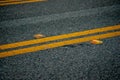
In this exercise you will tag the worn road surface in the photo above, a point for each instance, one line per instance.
(19, 21)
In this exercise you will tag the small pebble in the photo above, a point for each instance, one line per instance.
(38, 36)
(96, 42)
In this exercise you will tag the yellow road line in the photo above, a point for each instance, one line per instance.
(57, 44)
(20, 2)
(75, 34)
(6, 1)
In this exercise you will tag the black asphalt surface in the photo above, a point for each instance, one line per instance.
(82, 61)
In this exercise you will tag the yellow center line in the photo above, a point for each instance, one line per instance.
(20, 2)
(75, 34)
(6, 1)
(57, 44)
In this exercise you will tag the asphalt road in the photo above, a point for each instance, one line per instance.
(82, 61)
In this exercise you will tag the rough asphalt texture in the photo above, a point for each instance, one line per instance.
(75, 62)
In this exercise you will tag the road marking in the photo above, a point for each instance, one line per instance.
(11, 2)
(5, 1)
(64, 36)
(58, 44)
(8, 1)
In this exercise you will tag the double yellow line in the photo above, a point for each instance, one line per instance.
(60, 43)
(11, 2)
